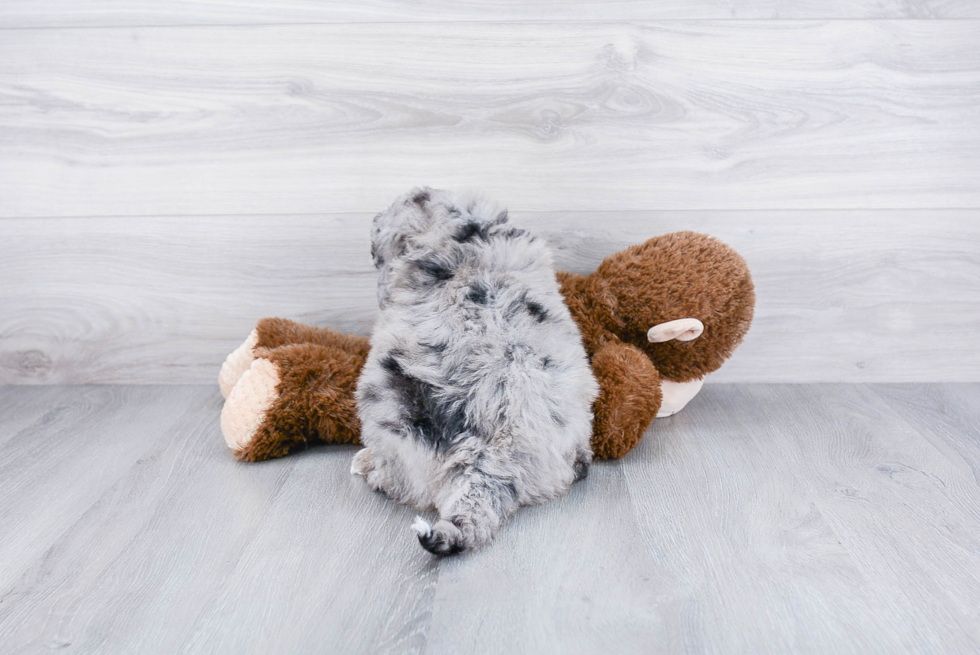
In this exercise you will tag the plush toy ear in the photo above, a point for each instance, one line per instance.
(683, 329)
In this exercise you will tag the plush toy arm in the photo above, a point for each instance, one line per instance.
(629, 398)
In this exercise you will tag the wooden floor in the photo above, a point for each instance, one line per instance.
(763, 518)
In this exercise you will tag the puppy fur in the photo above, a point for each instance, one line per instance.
(476, 396)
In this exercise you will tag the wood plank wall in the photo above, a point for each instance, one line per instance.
(171, 172)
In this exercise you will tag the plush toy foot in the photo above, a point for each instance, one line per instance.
(237, 363)
(247, 404)
(676, 395)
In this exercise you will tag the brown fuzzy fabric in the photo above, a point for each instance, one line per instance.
(629, 397)
(594, 308)
(674, 276)
(275, 332)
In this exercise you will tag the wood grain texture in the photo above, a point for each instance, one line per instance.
(842, 295)
(23, 407)
(73, 460)
(947, 416)
(100, 13)
(192, 551)
(548, 116)
(347, 552)
(568, 578)
(804, 519)
(125, 575)
(161, 300)
(762, 518)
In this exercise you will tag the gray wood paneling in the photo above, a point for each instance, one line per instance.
(76, 13)
(763, 518)
(842, 295)
(548, 116)
(163, 299)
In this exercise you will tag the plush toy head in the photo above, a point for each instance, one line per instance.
(677, 276)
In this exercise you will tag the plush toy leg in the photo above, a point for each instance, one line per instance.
(677, 395)
(272, 333)
(293, 396)
(629, 398)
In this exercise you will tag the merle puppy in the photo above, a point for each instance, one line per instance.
(476, 396)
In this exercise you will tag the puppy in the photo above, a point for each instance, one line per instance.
(476, 397)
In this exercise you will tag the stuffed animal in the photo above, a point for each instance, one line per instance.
(655, 319)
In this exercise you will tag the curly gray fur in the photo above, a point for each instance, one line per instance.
(476, 397)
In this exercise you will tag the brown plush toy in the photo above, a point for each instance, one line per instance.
(655, 319)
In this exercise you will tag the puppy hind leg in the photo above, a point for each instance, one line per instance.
(387, 476)
(581, 466)
(478, 504)
(363, 463)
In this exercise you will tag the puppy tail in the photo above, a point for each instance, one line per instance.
(443, 538)
(471, 521)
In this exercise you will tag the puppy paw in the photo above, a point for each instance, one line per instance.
(248, 402)
(443, 538)
(363, 463)
(422, 528)
(237, 363)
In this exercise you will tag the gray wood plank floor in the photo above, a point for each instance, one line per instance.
(763, 518)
